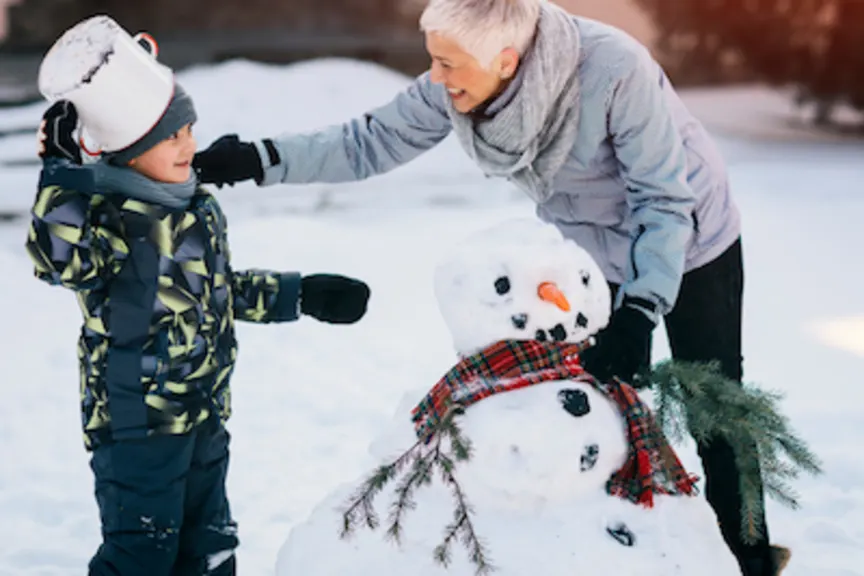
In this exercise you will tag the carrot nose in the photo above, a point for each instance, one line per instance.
(549, 292)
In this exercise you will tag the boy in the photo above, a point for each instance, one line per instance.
(146, 252)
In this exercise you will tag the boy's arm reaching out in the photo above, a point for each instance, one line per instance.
(264, 296)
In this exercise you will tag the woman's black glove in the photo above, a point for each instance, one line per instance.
(56, 138)
(229, 160)
(333, 298)
(623, 348)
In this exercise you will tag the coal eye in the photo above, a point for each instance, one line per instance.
(502, 285)
(586, 278)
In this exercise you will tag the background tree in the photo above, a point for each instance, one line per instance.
(204, 31)
(37, 23)
(816, 46)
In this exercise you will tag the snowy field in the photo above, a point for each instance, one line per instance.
(309, 398)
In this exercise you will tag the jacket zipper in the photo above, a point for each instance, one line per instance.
(633, 250)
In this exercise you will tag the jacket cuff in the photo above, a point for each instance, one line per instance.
(647, 307)
(287, 308)
(271, 162)
(65, 174)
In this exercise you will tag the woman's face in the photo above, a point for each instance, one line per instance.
(468, 83)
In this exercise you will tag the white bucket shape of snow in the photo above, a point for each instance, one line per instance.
(117, 86)
(536, 478)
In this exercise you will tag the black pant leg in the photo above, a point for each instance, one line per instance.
(209, 534)
(140, 490)
(705, 325)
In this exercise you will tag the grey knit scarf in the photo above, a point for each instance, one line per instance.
(110, 179)
(529, 139)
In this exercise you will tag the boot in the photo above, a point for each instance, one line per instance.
(771, 564)
(780, 556)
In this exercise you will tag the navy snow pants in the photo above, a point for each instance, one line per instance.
(163, 506)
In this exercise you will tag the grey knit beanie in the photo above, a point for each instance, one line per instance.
(180, 112)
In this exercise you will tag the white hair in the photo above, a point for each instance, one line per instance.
(484, 28)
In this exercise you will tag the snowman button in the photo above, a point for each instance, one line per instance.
(590, 453)
(575, 402)
(622, 534)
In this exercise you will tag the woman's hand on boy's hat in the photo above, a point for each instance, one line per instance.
(56, 131)
(228, 161)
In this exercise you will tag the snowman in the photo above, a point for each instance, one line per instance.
(566, 475)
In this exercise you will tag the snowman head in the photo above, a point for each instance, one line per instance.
(520, 280)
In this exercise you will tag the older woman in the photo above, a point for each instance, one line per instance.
(580, 117)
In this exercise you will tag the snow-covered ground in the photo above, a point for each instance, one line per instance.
(767, 113)
(310, 398)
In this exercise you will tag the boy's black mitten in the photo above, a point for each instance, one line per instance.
(333, 298)
(229, 160)
(56, 138)
(622, 348)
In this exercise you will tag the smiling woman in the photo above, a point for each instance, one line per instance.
(579, 116)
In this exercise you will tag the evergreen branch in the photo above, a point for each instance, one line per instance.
(405, 490)
(361, 501)
(425, 455)
(800, 454)
(442, 552)
(669, 416)
(459, 444)
(711, 406)
(369, 513)
(463, 523)
(752, 522)
(782, 493)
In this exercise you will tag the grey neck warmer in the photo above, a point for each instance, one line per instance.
(529, 138)
(110, 179)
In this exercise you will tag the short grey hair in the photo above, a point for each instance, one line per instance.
(484, 28)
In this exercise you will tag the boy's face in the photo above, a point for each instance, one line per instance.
(169, 161)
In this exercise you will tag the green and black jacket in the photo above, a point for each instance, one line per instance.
(159, 300)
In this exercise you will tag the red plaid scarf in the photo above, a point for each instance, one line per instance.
(652, 467)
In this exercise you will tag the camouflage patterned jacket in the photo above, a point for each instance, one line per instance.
(159, 300)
